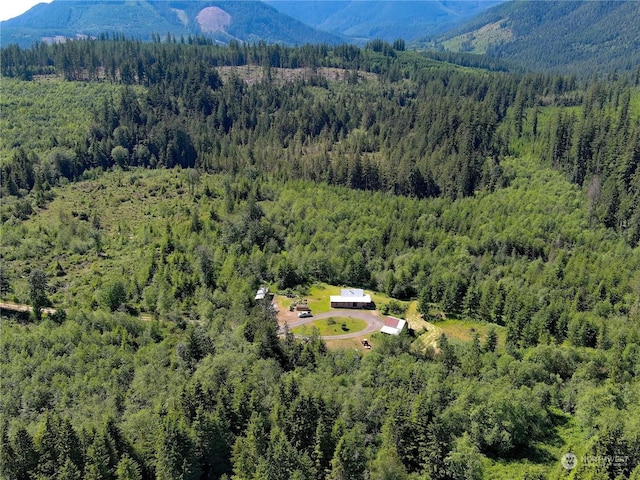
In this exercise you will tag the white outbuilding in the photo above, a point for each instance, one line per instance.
(393, 326)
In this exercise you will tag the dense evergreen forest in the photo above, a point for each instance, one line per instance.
(421, 129)
(569, 37)
(149, 189)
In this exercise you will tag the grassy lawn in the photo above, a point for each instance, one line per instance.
(319, 294)
(414, 318)
(319, 297)
(464, 330)
(347, 344)
(332, 326)
(457, 329)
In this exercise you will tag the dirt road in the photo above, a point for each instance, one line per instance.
(19, 307)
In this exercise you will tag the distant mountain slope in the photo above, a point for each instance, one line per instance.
(580, 37)
(387, 20)
(222, 20)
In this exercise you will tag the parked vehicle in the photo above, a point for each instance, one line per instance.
(304, 314)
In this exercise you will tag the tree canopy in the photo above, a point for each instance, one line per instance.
(174, 180)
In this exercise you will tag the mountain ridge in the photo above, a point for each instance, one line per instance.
(288, 21)
(246, 21)
(572, 37)
(577, 37)
(387, 20)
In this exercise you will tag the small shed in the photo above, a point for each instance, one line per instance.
(393, 326)
(262, 293)
(350, 298)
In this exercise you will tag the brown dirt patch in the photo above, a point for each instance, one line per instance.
(253, 74)
(213, 19)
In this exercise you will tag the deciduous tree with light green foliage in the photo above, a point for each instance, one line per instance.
(114, 295)
(38, 286)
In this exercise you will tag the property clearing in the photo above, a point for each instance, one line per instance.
(331, 326)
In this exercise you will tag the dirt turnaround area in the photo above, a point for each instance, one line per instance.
(372, 318)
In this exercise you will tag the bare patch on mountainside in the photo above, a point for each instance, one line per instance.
(213, 19)
(182, 16)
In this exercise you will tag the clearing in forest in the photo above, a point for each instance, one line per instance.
(331, 326)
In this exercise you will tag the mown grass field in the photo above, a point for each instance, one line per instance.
(320, 293)
(463, 330)
(332, 326)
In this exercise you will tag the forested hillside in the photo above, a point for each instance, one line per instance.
(387, 20)
(152, 188)
(221, 21)
(418, 127)
(583, 38)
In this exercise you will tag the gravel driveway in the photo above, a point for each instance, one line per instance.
(373, 319)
